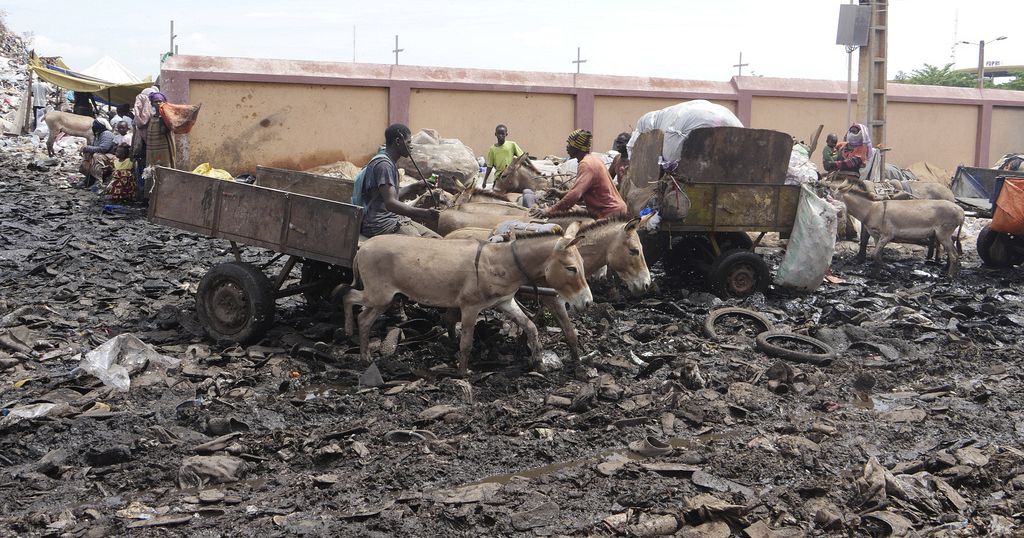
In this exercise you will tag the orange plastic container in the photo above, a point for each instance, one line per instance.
(1009, 214)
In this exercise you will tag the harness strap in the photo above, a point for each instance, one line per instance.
(529, 279)
(476, 261)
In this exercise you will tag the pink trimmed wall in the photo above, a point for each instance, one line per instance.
(467, 103)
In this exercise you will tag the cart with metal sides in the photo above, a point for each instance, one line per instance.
(235, 301)
(732, 180)
(1001, 242)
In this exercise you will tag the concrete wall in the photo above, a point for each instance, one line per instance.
(941, 134)
(538, 122)
(800, 117)
(298, 114)
(293, 126)
(1007, 132)
(616, 114)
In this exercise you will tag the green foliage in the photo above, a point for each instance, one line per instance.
(938, 76)
(947, 76)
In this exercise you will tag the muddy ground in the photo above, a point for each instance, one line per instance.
(915, 429)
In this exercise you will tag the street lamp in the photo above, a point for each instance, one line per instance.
(981, 59)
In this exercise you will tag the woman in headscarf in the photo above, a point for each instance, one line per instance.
(854, 151)
(159, 142)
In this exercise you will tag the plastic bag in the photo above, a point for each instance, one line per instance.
(1009, 214)
(811, 245)
(801, 169)
(117, 359)
(206, 170)
(677, 121)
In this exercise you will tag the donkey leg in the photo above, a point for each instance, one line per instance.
(367, 317)
(349, 300)
(880, 243)
(451, 316)
(469, 315)
(954, 259)
(512, 310)
(557, 306)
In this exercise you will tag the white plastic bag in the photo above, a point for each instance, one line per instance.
(801, 169)
(811, 244)
(117, 359)
(677, 121)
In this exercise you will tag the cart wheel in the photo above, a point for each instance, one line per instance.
(731, 240)
(328, 275)
(235, 302)
(738, 273)
(995, 249)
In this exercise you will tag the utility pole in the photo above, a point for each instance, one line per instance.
(353, 43)
(871, 78)
(578, 61)
(171, 48)
(740, 65)
(397, 50)
(981, 65)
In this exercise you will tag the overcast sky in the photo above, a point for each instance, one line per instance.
(676, 39)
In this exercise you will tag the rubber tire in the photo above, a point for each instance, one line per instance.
(725, 266)
(332, 275)
(994, 250)
(693, 251)
(763, 342)
(715, 315)
(255, 295)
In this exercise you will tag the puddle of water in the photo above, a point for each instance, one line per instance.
(322, 390)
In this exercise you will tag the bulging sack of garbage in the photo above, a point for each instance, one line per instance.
(207, 170)
(448, 158)
(811, 244)
(801, 169)
(179, 118)
(677, 121)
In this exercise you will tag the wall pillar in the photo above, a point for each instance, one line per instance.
(399, 95)
(584, 118)
(984, 138)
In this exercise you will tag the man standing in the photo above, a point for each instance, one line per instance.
(501, 154)
(38, 101)
(383, 210)
(593, 184)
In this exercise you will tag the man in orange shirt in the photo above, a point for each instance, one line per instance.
(593, 184)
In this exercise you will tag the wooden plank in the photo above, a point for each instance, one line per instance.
(644, 171)
(328, 188)
(183, 200)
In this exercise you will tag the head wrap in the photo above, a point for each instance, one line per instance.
(97, 126)
(580, 139)
(854, 140)
(157, 96)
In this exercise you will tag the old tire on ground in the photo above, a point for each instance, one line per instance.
(738, 273)
(765, 342)
(235, 302)
(712, 319)
(330, 276)
(995, 250)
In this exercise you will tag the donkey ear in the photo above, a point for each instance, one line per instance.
(643, 220)
(459, 185)
(631, 224)
(570, 232)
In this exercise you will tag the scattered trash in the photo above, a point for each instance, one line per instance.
(119, 358)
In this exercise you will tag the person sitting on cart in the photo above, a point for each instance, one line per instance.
(383, 210)
(593, 184)
(829, 154)
(854, 151)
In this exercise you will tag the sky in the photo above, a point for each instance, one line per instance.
(682, 39)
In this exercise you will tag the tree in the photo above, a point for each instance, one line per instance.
(1016, 84)
(939, 76)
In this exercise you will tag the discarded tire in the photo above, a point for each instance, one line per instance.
(769, 342)
(329, 277)
(715, 315)
(995, 250)
(738, 273)
(235, 301)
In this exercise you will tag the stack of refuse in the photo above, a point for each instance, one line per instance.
(13, 78)
(448, 158)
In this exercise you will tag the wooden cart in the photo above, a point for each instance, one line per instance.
(302, 216)
(733, 179)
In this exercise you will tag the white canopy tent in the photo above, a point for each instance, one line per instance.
(111, 70)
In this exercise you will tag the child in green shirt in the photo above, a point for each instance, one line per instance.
(501, 154)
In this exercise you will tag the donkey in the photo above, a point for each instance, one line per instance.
(607, 243)
(523, 174)
(469, 275)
